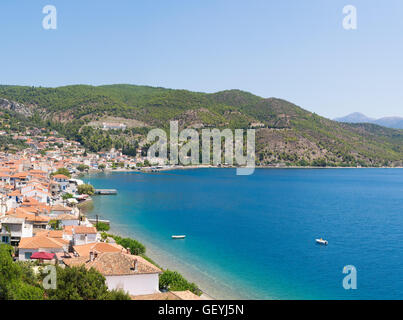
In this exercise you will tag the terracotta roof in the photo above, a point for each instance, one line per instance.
(42, 242)
(100, 247)
(115, 264)
(14, 193)
(29, 201)
(68, 230)
(66, 217)
(170, 295)
(186, 295)
(84, 230)
(21, 213)
(59, 207)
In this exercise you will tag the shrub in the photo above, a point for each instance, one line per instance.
(102, 226)
(134, 246)
(86, 189)
(174, 281)
(63, 171)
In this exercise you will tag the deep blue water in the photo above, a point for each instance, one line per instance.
(254, 235)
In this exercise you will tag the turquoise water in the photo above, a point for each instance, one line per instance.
(253, 236)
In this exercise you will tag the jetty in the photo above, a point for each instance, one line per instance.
(105, 191)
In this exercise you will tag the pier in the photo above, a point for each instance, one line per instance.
(105, 191)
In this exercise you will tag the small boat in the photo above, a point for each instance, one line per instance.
(321, 241)
(179, 237)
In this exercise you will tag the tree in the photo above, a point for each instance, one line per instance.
(174, 281)
(67, 196)
(134, 246)
(101, 167)
(63, 171)
(55, 224)
(78, 283)
(86, 189)
(102, 226)
(82, 167)
(17, 281)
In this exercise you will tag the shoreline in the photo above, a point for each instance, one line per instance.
(162, 258)
(226, 167)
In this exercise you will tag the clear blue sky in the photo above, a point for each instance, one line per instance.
(291, 49)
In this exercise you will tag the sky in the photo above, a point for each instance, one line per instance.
(290, 49)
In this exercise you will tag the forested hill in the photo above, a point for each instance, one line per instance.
(286, 133)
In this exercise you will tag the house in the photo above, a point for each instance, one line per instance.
(58, 210)
(84, 235)
(37, 220)
(38, 193)
(68, 220)
(130, 273)
(19, 179)
(41, 243)
(62, 181)
(13, 229)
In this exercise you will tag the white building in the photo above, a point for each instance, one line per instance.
(132, 274)
(28, 246)
(14, 229)
(84, 235)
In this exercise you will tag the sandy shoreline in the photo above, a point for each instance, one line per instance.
(204, 280)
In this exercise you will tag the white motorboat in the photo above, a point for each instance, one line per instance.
(321, 241)
(179, 237)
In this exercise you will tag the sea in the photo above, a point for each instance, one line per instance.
(253, 237)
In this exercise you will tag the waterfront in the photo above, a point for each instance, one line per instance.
(253, 236)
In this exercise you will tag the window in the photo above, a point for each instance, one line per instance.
(4, 239)
(28, 255)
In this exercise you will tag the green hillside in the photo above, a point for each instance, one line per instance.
(286, 133)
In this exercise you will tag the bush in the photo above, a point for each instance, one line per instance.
(174, 281)
(63, 171)
(17, 281)
(102, 226)
(134, 246)
(55, 224)
(82, 167)
(78, 283)
(67, 196)
(86, 189)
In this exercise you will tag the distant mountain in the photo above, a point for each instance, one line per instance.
(285, 133)
(355, 117)
(389, 122)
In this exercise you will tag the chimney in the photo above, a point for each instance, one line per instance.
(128, 250)
(91, 256)
(95, 254)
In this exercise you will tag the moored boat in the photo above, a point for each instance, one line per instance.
(322, 241)
(179, 237)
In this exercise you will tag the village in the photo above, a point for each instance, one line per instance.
(40, 215)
